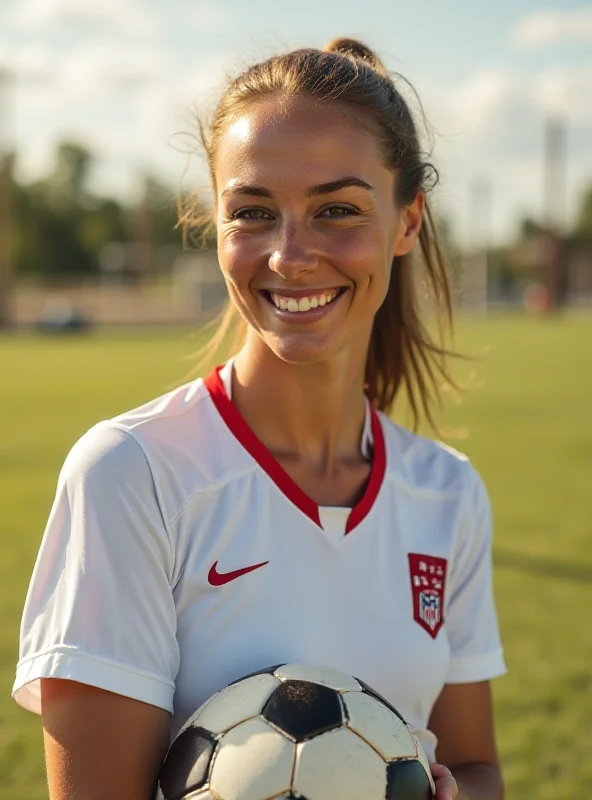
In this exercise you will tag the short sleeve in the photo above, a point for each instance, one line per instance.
(100, 607)
(471, 622)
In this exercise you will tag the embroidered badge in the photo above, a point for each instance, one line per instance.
(428, 582)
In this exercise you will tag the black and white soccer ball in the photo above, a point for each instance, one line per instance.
(296, 732)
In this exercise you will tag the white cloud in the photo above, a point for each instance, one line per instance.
(122, 16)
(476, 101)
(503, 111)
(491, 127)
(97, 72)
(473, 109)
(553, 26)
(30, 63)
(207, 15)
(88, 74)
(566, 92)
(205, 82)
(125, 16)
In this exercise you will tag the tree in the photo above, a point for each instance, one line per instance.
(529, 227)
(59, 226)
(162, 208)
(68, 182)
(584, 215)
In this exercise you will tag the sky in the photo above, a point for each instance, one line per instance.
(126, 78)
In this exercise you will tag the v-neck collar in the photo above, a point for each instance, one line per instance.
(255, 447)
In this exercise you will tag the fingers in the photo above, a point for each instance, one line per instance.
(446, 786)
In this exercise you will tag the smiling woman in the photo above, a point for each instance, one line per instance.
(318, 113)
(272, 512)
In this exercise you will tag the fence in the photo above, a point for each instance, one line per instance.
(193, 292)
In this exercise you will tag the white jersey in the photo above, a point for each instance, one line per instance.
(179, 556)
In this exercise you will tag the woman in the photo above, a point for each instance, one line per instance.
(272, 512)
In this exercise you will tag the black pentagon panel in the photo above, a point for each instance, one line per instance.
(373, 693)
(407, 780)
(187, 764)
(291, 796)
(301, 709)
(265, 671)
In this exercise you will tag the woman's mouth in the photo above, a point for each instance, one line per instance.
(303, 303)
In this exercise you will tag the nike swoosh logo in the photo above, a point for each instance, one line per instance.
(216, 578)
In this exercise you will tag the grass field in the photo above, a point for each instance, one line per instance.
(529, 425)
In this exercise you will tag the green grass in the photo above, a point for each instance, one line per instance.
(529, 424)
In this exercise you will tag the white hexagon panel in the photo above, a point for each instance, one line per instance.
(338, 765)
(379, 726)
(252, 761)
(238, 702)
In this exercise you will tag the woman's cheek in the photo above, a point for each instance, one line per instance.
(239, 255)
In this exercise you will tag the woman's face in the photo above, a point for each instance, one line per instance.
(307, 226)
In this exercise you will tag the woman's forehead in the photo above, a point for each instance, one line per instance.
(271, 137)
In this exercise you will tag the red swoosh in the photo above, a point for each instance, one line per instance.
(216, 578)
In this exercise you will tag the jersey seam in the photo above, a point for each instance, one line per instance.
(212, 488)
(457, 547)
(417, 440)
(201, 395)
(157, 488)
(71, 652)
(475, 656)
(434, 494)
(209, 488)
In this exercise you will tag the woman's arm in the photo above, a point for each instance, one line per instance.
(462, 719)
(99, 744)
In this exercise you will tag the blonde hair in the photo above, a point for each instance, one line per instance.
(403, 354)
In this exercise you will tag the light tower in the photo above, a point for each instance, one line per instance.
(6, 260)
(554, 171)
(479, 242)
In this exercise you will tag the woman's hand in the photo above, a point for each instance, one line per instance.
(446, 786)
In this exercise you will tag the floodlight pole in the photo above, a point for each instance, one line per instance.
(6, 259)
(554, 170)
(476, 278)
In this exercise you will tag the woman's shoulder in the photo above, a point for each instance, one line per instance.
(176, 444)
(425, 465)
(127, 437)
(177, 404)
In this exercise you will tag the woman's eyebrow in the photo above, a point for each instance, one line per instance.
(312, 191)
(341, 183)
(246, 188)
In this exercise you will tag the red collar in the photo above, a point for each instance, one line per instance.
(255, 447)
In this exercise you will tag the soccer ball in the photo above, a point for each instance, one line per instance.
(296, 732)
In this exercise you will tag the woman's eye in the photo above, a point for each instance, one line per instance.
(256, 214)
(337, 212)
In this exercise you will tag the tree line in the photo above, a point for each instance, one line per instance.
(58, 227)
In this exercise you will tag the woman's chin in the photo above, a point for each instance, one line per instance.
(301, 350)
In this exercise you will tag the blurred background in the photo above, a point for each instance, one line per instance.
(101, 305)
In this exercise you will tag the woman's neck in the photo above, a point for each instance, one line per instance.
(312, 413)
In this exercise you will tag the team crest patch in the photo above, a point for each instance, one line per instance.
(428, 581)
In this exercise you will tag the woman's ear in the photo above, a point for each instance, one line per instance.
(409, 226)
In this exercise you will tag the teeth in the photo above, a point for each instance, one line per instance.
(304, 303)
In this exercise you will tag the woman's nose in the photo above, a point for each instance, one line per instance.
(293, 255)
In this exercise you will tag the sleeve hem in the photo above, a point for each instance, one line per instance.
(482, 667)
(70, 664)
